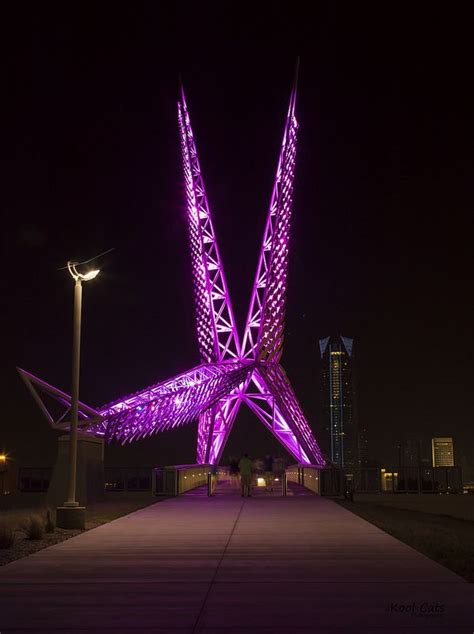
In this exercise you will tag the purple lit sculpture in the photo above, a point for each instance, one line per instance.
(230, 373)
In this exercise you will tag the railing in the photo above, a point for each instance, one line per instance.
(34, 480)
(421, 480)
(213, 479)
(331, 481)
(177, 479)
(120, 479)
(306, 475)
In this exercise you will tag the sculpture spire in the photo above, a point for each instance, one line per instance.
(263, 337)
(217, 334)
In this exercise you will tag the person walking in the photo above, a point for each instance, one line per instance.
(349, 490)
(213, 479)
(245, 468)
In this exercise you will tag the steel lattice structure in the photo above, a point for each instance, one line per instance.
(230, 372)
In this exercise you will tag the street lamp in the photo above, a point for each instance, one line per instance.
(71, 501)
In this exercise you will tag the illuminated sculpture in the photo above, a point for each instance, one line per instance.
(231, 372)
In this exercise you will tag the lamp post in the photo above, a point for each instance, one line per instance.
(63, 517)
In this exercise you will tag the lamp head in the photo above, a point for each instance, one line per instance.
(90, 275)
(83, 277)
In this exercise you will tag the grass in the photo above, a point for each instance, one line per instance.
(16, 519)
(49, 525)
(34, 528)
(446, 539)
(458, 505)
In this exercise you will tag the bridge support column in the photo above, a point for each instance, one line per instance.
(90, 471)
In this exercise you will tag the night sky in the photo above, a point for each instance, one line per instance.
(382, 233)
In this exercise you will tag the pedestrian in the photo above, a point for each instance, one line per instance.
(245, 468)
(268, 475)
(349, 493)
(214, 475)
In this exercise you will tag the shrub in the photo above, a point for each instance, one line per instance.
(49, 525)
(34, 528)
(7, 536)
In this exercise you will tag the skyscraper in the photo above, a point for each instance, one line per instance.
(443, 452)
(363, 445)
(409, 453)
(338, 401)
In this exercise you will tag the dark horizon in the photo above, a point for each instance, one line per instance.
(381, 244)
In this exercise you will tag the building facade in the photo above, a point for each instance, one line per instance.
(442, 450)
(363, 447)
(338, 401)
(409, 453)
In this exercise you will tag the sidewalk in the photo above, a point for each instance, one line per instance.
(228, 565)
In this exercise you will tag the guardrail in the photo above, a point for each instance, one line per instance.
(34, 479)
(119, 479)
(306, 475)
(331, 481)
(175, 480)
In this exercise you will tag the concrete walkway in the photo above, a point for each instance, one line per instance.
(228, 565)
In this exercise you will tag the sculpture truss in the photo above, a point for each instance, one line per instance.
(232, 371)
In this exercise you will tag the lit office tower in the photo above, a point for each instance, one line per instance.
(443, 452)
(338, 401)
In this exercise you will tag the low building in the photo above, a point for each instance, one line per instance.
(389, 480)
(442, 452)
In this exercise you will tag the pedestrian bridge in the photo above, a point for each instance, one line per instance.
(177, 480)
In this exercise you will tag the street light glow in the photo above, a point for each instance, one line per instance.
(3, 457)
(82, 277)
(90, 275)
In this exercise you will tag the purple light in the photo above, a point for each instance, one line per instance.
(229, 373)
(171, 403)
(266, 389)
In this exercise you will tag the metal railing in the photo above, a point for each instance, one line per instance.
(175, 480)
(121, 479)
(331, 481)
(305, 475)
(34, 479)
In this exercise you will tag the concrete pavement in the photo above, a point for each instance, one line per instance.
(229, 565)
